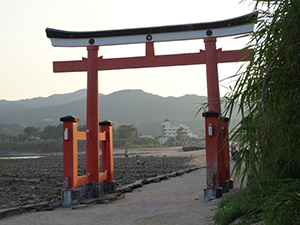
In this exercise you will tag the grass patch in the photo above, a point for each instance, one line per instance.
(242, 204)
(276, 203)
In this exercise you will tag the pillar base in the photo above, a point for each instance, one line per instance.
(225, 185)
(70, 197)
(212, 193)
(109, 187)
(230, 184)
(93, 190)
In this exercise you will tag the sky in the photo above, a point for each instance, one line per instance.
(26, 54)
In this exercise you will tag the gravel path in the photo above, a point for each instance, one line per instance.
(179, 200)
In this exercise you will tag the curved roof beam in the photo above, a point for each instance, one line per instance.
(239, 25)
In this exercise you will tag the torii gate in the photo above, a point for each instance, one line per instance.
(217, 167)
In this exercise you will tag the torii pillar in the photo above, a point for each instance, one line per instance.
(92, 123)
(95, 188)
(216, 165)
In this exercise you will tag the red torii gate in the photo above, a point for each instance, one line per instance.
(217, 167)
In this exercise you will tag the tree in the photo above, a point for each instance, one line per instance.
(52, 132)
(171, 141)
(81, 128)
(33, 132)
(125, 131)
(181, 134)
(5, 138)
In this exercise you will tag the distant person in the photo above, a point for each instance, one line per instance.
(144, 163)
(233, 153)
(126, 152)
(138, 162)
(155, 162)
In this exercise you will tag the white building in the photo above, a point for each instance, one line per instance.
(169, 130)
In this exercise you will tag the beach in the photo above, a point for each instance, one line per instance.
(177, 200)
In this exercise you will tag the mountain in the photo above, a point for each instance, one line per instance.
(56, 99)
(144, 110)
(136, 105)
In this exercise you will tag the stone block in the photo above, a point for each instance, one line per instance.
(224, 185)
(93, 190)
(70, 197)
(127, 188)
(109, 187)
(212, 193)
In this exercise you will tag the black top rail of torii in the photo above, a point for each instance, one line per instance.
(235, 26)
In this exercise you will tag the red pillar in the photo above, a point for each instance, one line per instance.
(70, 152)
(226, 149)
(214, 153)
(213, 94)
(107, 149)
(92, 115)
(212, 146)
(221, 154)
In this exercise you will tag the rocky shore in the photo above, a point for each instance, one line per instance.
(36, 180)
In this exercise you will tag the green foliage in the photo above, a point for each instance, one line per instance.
(283, 204)
(32, 132)
(276, 202)
(11, 129)
(52, 132)
(36, 144)
(81, 128)
(171, 142)
(269, 91)
(125, 131)
(270, 95)
(4, 138)
(181, 134)
(242, 204)
(51, 138)
(34, 138)
(135, 142)
(126, 136)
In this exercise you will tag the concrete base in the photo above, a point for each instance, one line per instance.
(70, 197)
(109, 187)
(230, 184)
(212, 193)
(93, 190)
(224, 185)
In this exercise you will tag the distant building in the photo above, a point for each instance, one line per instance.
(47, 120)
(169, 130)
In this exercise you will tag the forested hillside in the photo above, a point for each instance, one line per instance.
(143, 110)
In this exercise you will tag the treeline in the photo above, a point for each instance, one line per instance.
(126, 136)
(12, 129)
(51, 137)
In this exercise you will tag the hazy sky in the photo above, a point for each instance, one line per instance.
(26, 53)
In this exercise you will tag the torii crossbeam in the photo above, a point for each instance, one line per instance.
(210, 56)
